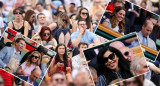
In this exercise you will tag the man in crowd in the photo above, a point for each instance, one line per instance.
(8, 52)
(35, 74)
(58, 79)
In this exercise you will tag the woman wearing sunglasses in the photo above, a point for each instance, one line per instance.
(111, 65)
(37, 38)
(47, 39)
(18, 24)
(61, 60)
(83, 14)
(32, 62)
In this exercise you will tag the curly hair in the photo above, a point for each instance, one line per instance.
(29, 59)
(123, 65)
(65, 56)
(113, 19)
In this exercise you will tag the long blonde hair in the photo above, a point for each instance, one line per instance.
(29, 59)
(60, 18)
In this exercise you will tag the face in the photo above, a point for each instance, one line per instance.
(120, 15)
(82, 24)
(61, 8)
(82, 47)
(18, 14)
(127, 53)
(82, 79)
(97, 2)
(58, 80)
(20, 45)
(147, 30)
(1, 82)
(37, 39)
(112, 62)
(131, 82)
(61, 50)
(143, 5)
(84, 14)
(39, 8)
(35, 57)
(34, 75)
(46, 34)
(154, 21)
(118, 4)
(143, 67)
(32, 18)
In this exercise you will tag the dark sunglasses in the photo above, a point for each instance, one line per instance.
(34, 56)
(132, 82)
(126, 53)
(84, 13)
(37, 39)
(45, 34)
(59, 79)
(111, 57)
(18, 13)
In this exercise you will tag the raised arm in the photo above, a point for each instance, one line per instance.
(52, 26)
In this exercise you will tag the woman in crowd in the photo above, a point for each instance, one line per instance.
(61, 60)
(37, 38)
(32, 62)
(60, 29)
(116, 21)
(30, 18)
(47, 39)
(83, 14)
(61, 8)
(18, 24)
(111, 65)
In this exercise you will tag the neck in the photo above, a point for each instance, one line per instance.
(30, 79)
(42, 24)
(117, 69)
(18, 20)
(81, 55)
(61, 57)
(16, 49)
(84, 32)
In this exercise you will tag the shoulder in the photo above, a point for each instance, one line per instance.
(23, 77)
(35, 83)
(101, 81)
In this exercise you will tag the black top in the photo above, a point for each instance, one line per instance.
(21, 30)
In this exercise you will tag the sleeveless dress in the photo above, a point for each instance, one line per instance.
(21, 30)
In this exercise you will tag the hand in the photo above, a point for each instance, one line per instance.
(59, 64)
(81, 30)
(84, 62)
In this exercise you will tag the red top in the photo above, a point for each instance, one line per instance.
(8, 78)
(110, 7)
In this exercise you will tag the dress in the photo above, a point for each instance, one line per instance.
(21, 30)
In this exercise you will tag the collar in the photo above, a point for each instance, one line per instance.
(16, 51)
(143, 36)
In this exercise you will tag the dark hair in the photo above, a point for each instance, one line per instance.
(1, 4)
(118, 2)
(63, 8)
(19, 39)
(153, 16)
(73, 4)
(39, 3)
(42, 49)
(28, 14)
(56, 13)
(65, 56)
(113, 19)
(72, 15)
(81, 20)
(41, 33)
(55, 74)
(19, 9)
(88, 22)
(82, 43)
(40, 14)
(123, 65)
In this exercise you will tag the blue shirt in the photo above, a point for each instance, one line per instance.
(144, 39)
(88, 37)
(110, 26)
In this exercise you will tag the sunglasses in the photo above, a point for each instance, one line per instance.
(59, 79)
(84, 13)
(126, 53)
(111, 57)
(46, 34)
(18, 13)
(131, 82)
(37, 39)
(34, 56)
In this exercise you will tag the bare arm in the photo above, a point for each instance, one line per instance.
(10, 25)
(26, 28)
(105, 23)
(155, 69)
(52, 26)
(20, 72)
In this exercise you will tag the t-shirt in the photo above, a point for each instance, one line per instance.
(88, 37)
(110, 25)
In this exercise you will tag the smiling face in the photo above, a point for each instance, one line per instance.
(20, 45)
(61, 50)
(84, 14)
(111, 63)
(120, 15)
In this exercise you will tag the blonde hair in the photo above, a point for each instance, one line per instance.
(60, 22)
(36, 36)
(29, 59)
(11, 64)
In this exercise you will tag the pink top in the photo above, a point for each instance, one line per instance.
(28, 69)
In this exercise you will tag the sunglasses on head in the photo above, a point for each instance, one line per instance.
(37, 39)
(84, 13)
(111, 57)
(131, 82)
(34, 56)
(59, 79)
(18, 13)
(126, 53)
(46, 34)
